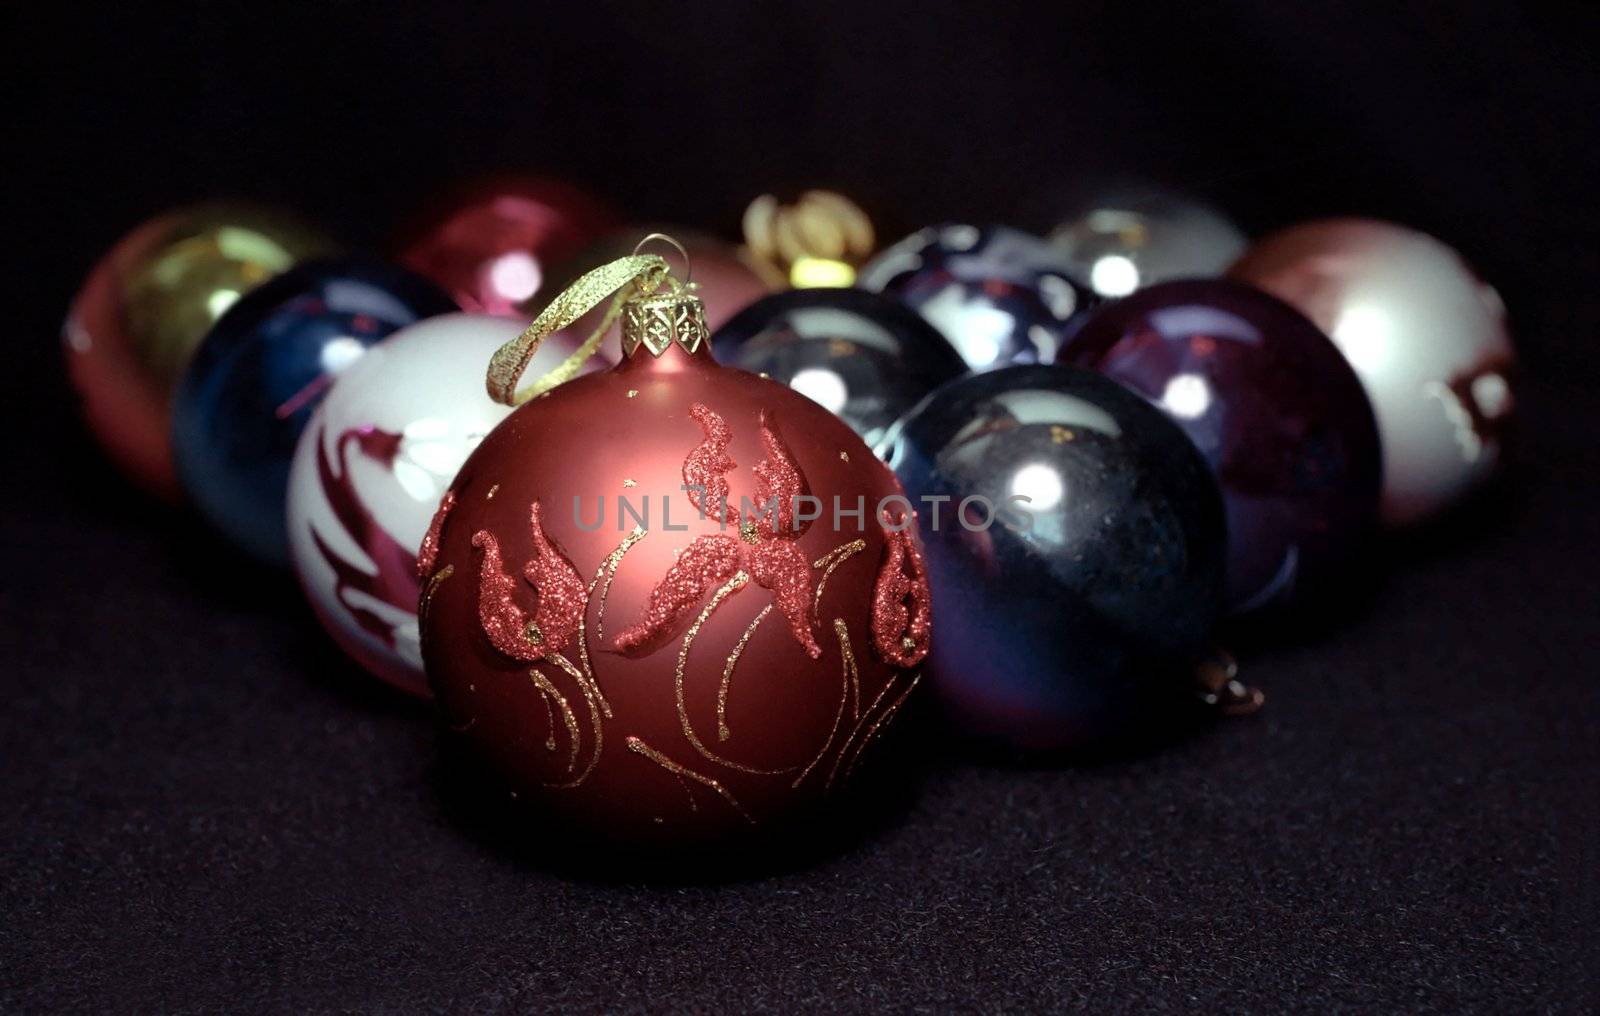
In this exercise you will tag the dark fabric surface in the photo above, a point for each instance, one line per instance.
(204, 808)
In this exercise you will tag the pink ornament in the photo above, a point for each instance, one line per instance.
(492, 243)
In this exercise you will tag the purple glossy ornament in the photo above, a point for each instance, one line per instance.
(1274, 408)
(1001, 296)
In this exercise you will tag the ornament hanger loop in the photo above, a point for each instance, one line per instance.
(638, 274)
(688, 266)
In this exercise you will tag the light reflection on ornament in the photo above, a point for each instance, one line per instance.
(1365, 335)
(976, 330)
(1187, 395)
(1114, 275)
(998, 294)
(339, 352)
(1420, 328)
(1041, 484)
(1125, 242)
(822, 386)
(515, 276)
(808, 273)
(144, 309)
(220, 301)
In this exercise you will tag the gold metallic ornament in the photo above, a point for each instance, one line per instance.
(146, 306)
(820, 240)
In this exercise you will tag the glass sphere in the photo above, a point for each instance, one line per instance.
(1427, 337)
(865, 357)
(1001, 296)
(253, 384)
(1275, 410)
(1074, 542)
(1122, 244)
(145, 307)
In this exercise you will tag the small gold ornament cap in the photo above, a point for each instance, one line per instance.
(658, 320)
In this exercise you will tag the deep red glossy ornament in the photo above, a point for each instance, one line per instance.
(491, 243)
(641, 609)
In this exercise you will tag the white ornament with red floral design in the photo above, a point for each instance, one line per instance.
(370, 469)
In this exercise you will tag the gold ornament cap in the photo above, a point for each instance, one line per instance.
(652, 317)
(657, 320)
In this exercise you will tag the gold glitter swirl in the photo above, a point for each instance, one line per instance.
(608, 571)
(723, 733)
(849, 681)
(879, 723)
(548, 691)
(828, 562)
(426, 603)
(833, 559)
(591, 695)
(739, 580)
(845, 750)
(639, 747)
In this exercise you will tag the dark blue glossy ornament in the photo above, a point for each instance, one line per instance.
(259, 373)
(864, 357)
(1276, 410)
(1001, 296)
(1075, 617)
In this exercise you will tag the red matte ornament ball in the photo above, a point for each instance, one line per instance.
(617, 632)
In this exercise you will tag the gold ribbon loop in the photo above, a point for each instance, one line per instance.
(637, 273)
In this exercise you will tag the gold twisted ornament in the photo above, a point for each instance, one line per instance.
(820, 240)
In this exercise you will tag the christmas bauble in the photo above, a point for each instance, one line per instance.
(725, 283)
(631, 617)
(492, 243)
(1275, 410)
(370, 469)
(1074, 544)
(821, 240)
(250, 389)
(998, 294)
(1426, 336)
(864, 357)
(1122, 243)
(146, 306)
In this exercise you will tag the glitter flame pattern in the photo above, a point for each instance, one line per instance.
(902, 615)
(561, 597)
(429, 553)
(767, 548)
(712, 569)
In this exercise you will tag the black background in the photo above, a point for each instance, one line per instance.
(202, 808)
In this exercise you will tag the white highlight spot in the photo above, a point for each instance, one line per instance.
(340, 352)
(1187, 396)
(515, 276)
(821, 386)
(220, 301)
(1058, 295)
(1114, 275)
(1041, 484)
(1366, 334)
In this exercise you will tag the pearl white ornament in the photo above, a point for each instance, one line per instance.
(1427, 337)
(369, 471)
